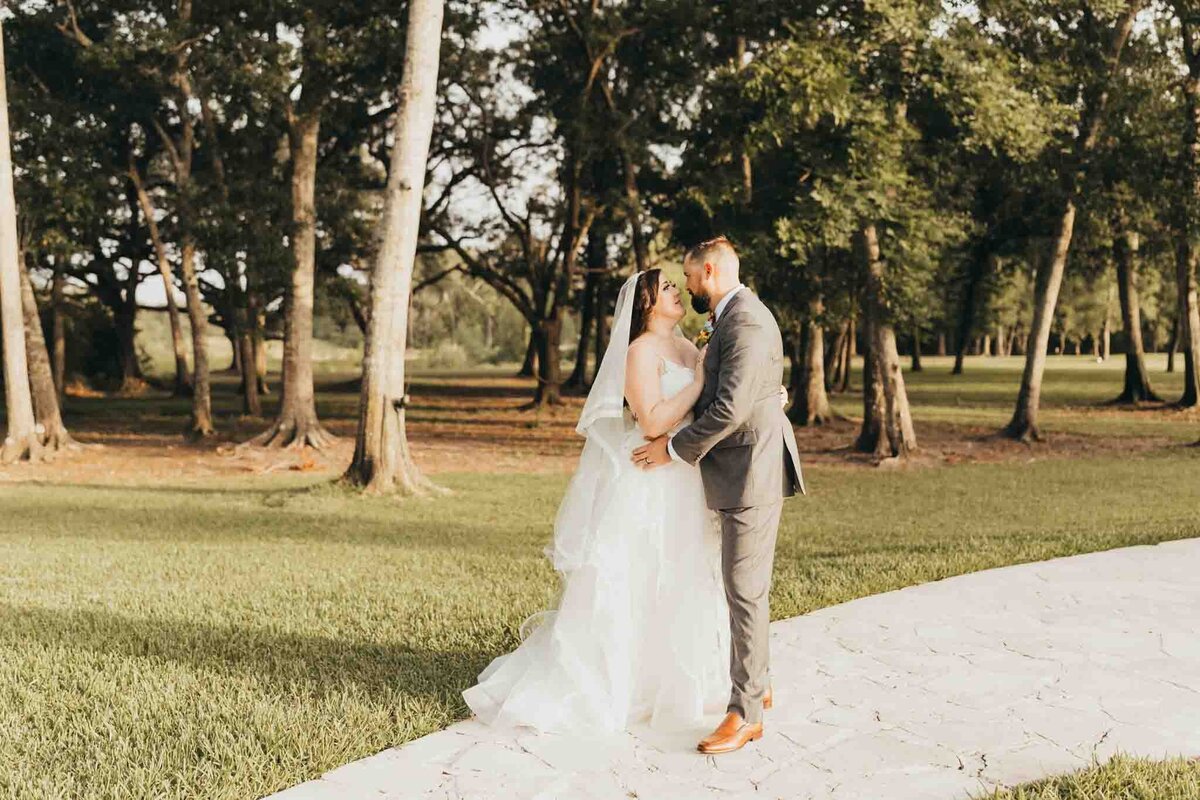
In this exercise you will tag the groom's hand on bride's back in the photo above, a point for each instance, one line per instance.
(652, 454)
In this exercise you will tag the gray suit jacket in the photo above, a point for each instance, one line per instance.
(740, 436)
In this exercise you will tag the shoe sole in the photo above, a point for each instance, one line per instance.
(708, 751)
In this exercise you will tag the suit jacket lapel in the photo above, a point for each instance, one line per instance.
(729, 307)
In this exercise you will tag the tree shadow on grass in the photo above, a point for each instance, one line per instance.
(280, 492)
(287, 664)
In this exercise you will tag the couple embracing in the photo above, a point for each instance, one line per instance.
(666, 536)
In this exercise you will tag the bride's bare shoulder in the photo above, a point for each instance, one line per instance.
(645, 355)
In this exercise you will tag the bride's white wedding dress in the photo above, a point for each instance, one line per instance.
(641, 632)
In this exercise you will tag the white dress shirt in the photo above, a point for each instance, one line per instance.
(716, 316)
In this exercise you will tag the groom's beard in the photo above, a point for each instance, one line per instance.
(701, 303)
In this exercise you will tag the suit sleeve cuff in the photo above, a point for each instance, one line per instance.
(674, 455)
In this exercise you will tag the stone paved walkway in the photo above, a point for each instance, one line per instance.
(936, 691)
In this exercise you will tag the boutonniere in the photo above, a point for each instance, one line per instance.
(706, 332)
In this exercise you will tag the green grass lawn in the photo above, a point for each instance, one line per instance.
(1119, 779)
(226, 640)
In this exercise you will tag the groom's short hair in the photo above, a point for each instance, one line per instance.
(717, 250)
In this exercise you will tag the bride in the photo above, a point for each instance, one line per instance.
(641, 632)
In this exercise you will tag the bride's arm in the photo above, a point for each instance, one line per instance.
(643, 390)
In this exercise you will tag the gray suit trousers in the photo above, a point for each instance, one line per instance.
(747, 556)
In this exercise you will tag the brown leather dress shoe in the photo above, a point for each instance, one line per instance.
(732, 734)
(767, 701)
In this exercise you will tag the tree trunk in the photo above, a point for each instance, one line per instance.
(297, 425)
(633, 200)
(916, 350)
(887, 422)
(21, 439)
(743, 157)
(810, 403)
(848, 358)
(247, 365)
(1173, 343)
(233, 334)
(976, 271)
(47, 414)
(549, 376)
(1189, 327)
(382, 460)
(1024, 423)
(1187, 255)
(201, 424)
(602, 323)
(874, 404)
(597, 260)
(258, 317)
(833, 359)
(183, 381)
(529, 366)
(941, 343)
(1137, 378)
(58, 332)
(1106, 338)
(795, 343)
(125, 327)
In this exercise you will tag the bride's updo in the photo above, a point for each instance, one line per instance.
(645, 297)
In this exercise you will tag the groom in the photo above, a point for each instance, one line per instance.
(748, 459)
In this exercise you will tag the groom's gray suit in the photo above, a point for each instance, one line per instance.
(749, 462)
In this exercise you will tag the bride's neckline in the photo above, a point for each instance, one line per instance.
(675, 364)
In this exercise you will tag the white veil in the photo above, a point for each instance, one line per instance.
(605, 421)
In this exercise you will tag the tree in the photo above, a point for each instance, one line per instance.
(1100, 61)
(157, 68)
(1137, 380)
(52, 432)
(1187, 209)
(333, 64)
(183, 378)
(382, 461)
(21, 440)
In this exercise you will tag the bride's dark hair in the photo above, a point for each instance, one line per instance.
(645, 296)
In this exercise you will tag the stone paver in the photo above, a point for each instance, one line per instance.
(942, 690)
